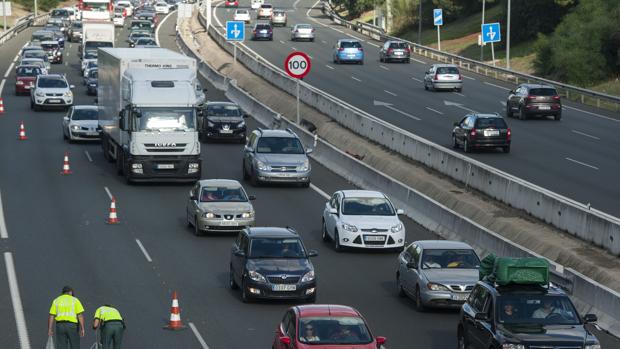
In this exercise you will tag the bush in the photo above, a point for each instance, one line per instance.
(44, 5)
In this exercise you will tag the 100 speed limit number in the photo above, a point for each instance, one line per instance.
(297, 65)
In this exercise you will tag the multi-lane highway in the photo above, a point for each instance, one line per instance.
(56, 235)
(577, 157)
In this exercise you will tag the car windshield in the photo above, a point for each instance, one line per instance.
(242, 12)
(447, 70)
(90, 55)
(136, 36)
(35, 54)
(42, 36)
(60, 13)
(223, 110)
(52, 83)
(34, 61)
(166, 120)
(276, 248)
(262, 26)
(222, 194)
(326, 330)
(146, 41)
(92, 45)
(350, 44)
(76, 25)
(543, 92)
(50, 46)
(536, 310)
(304, 26)
(140, 25)
(367, 207)
(279, 145)
(450, 259)
(28, 71)
(498, 123)
(91, 64)
(93, 74)
(85, 114)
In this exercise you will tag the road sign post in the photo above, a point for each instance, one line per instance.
(297, 65)
(491, 33)
(438, 21)
(235, 31)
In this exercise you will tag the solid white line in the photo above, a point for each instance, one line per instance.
(146, 254)
(383, 67)
(88, 155)
(16, 299)
(8, 71)
(585, 134)
(372, 44)
(417, 60)
(4, 233)
(593, 114)
(295, 4)
(498, 86)
(161, 25)
(355, 37)
(356, 79)
(16, 58)
(2, 85)
(467, 77)
(330, 67)
(582, 163)
(197, 334)
(434, 110)
(338, 30)
(390, 93)
(108, 192)
(320, 191)
(416, 79)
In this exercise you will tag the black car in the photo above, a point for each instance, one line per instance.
(262, 31)
(481, 131)
(534, 99)
(222, 120)
(270, 262)
(526, 316)
(92, 81)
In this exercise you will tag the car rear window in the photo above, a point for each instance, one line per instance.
(28, 71)
(447, 70)
(350, 44)
(491, 122)
(400, 45)
(543, 92)
(263, 26)
(223, 110)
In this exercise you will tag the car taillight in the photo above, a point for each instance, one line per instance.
(460, 77)
(472, 132)
(313, 30)
(254, 31)
(556, 97)
(341, 49)
(436, 77)
(408, 50)
(508, 134)
(390, 50)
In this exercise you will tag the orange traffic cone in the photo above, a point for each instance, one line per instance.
(175, 315)
(65, 165)
(1, 106)
(113, 218)
(22, 132)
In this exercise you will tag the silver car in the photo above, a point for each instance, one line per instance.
(278, 18)
(219, 205)
(437, 273)
(81, 124)
(443, 77)
(302, 32)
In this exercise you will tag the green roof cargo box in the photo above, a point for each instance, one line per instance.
(523, 271)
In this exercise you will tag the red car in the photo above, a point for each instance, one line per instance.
(25, 75)
(329, 326)
(231, 3)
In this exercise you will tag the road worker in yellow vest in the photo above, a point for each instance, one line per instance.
(66, 311)
(112, 326)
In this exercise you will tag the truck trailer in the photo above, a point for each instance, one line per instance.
(147, 112)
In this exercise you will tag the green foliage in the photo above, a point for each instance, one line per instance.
(528, 18)
(44, 5)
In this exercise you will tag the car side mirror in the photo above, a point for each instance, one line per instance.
(72, 86)
(312, 253)
(239, 253)
(66, 118)
(511, 92)
(588, 318)
(412, 265)
(309, 151)
(380, 340)
(121, 122)
(248, 149)
(251, 197)
(333, 211)
(400, 211)
(481, 316)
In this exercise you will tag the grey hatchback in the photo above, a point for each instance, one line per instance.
(443, 77)
(393, 50)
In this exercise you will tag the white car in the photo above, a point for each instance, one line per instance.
(81, 123)
(264, 11)
(242, 15)
(162, 7)
(118, 20)
(362, 219)
(35, 61)
(51, 91)
(127, 6)
(257, 3)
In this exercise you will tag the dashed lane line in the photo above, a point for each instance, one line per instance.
(356, 79)
(4, 234)
(416, 79)
(108, 192)
(2, 85)
(383, 67)
(320, 191)
(372, 44)
(585, 134)
(417, 60)
(591, 113)
(582, 163)
(434, 110)
(390, 93)
(88, 156)
(144, 252)
(498, 86)
(329, 66)
(202, 342)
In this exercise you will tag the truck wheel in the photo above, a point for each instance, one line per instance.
(105, 147)
(119, 163)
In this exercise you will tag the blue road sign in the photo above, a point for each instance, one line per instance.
(437, 16)
(235, 30)
(491, 33)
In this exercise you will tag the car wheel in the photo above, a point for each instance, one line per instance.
(245, 297)
(324, 234)
(337, 245)
(305, 184)
(408, 60)
(506, 149)
(522, 114)
(557, 117)
(188, 219)
(462, 342)
(509, 113)
(361, 62)
(425, 86)
(380, 59)
(245, 173)
(419, 306)
(64, 135)
(119, 163)
(455, 144)
(254, 179)
(197, 230)
(311, 40)
(466, 146)
(231, 280)
(401, 290)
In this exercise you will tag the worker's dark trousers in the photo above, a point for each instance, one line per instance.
(112, 335)
(67, 336)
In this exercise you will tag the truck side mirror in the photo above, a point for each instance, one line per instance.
(121, 122)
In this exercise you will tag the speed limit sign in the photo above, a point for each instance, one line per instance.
(297, 65)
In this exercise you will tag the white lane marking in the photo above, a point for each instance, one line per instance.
(16, 299)
(417, 60)
(467, 77)
(2, 85)
(67, 64)
(356, 79)
(434, 110)
(383, 67)
(460, 94)
(391, 107)
(4, 234)
(355, 37)
(330, 67)
(294, 49)
(202, 342)
(8, 71)
(502, 103)
(16, 58)
(70, 45)
(108, 192)
(282, 42)
(582, 163)
(593, 114)
(498, 86)
(295, 4)
(146, 254)
(320, 191)
(585, 134)
(372, 44)
(323, 41)
(88, 156)
(390, 93)
(416, 79)
(161, 25)
(338, 30)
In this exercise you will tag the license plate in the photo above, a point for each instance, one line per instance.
(398, 53)
(286, 174)
(351, 56)
(54, 101)
(460, 296)
(165, 166)
(491, 133)
(280, 287)
(544, 107)
(229, 223)
(263, 32)
(374, 238)
(92, 133)
(226, 131)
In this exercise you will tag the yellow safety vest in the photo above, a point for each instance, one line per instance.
(66, 308)
(105, 313)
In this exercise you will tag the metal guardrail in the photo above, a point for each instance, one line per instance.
(574, 93)
(21, 24)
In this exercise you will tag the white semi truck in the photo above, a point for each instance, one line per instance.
(147, 112)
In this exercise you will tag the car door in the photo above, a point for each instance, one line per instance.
(248, 153)
(282, 330)
(459, 132)
(331, 220)
(193, 207)
(238, 262)
(485, 327)
(428, 77)
(66, 120)
(403, 270)
(413, 274)
(383, 50)
(479, 327)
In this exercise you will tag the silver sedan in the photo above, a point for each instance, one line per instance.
(219, 205)
(302, 32)
(81, 124)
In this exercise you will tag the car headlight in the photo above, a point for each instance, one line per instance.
(261, 166)
(241, 124)
(75, 127)
(436, 287)
(513, 346)
(39, 93)
(58, 53)
(256, 276)
(93, 84)
(593, 346)
(209, 215)
(309, 276)
(349, 227)
(68, 94)
(305, 166)
(247, 214)
(398, 227)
